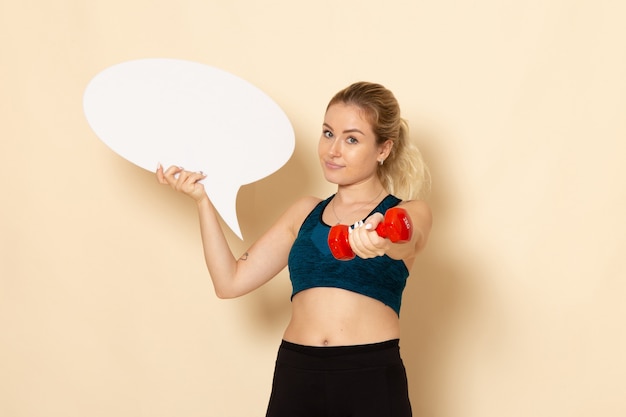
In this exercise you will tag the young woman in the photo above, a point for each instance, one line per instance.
(340, 352)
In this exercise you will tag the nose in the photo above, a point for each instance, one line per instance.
(335, 148)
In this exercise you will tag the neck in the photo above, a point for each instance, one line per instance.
(350, 203)
(359, 193)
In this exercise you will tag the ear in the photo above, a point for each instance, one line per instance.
(384, 150)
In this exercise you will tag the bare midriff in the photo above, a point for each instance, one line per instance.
(336, 317)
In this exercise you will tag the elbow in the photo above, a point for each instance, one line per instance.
(222, 295)
(226, 294)
(230, 287)
(224, 288)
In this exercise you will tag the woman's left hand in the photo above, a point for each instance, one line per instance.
(364, 239)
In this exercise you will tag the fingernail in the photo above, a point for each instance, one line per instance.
(368, 226)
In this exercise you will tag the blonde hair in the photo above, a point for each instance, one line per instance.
(404, 173)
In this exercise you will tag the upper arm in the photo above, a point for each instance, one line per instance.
(268, 255)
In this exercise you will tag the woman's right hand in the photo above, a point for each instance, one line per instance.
(183, 181)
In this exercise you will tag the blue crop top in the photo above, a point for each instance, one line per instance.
(312, 265)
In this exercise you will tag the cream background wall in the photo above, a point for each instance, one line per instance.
(516, 307)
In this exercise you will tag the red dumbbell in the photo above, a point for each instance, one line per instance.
(396, 226)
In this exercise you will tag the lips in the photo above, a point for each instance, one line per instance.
(332, 165)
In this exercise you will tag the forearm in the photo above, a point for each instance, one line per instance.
(220, 261)
(399, 250)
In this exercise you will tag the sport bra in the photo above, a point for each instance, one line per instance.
(311, 263)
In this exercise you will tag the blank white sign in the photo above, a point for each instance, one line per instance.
(192, 115)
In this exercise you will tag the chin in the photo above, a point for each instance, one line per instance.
(332, 177)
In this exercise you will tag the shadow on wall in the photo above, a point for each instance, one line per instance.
(439, 292)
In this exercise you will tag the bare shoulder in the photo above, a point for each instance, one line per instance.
(308, 202)
(303, 206)
(419, 207)
(298, 211)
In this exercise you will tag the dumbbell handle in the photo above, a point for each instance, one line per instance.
(396, 226)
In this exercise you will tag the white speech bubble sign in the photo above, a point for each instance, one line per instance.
(170, 111)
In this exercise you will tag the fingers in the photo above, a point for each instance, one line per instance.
(167, 177)
(171, 174)
(372, 221)
(161, 175)
(177, 177)
(184, 181)
(364, 239)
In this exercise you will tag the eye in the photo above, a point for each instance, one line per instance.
(352, 140)
(327, 133)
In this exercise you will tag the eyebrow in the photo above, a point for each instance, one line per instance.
(345, 131)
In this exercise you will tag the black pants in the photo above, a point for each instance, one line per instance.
(356, 381)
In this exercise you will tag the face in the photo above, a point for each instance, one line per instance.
(347, 149)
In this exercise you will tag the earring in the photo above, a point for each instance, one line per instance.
(381, 162)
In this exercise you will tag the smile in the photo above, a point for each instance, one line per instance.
(331, 165)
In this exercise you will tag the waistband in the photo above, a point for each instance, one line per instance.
(379, 354)
(326, 351)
